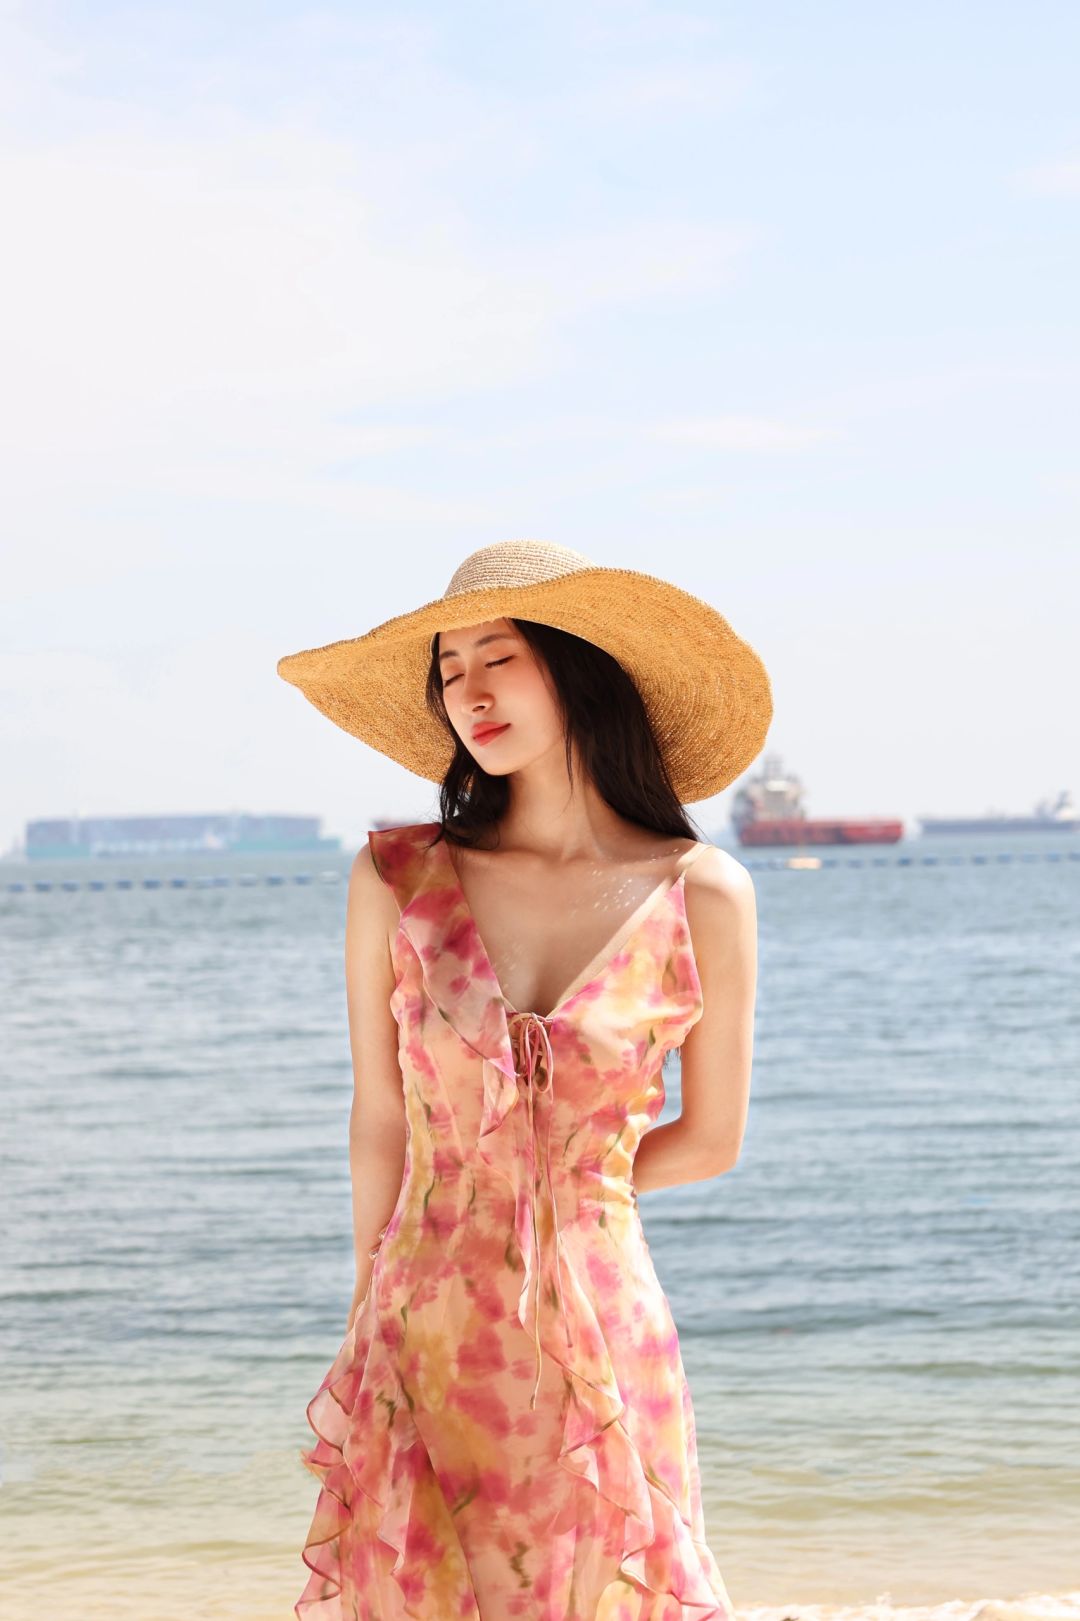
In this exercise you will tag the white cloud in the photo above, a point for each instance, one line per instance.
(1060, 179)
(708, 87)
(739, 433)
(214, 314)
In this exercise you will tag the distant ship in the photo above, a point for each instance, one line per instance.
(768, 810)
(1049, 816)
(230, 833)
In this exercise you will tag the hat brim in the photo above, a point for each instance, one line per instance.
(706, 690)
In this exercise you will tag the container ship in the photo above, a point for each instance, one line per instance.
(768, 810)
(77, 838)
(1057, 815)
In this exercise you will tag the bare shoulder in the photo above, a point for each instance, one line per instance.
(370, 901)
(365, 880)
(719, 874)
(721, 907)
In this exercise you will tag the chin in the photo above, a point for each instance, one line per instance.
(496, 768)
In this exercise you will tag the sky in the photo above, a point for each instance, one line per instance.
(299, 305)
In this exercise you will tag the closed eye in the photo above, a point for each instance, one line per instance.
(494, 663)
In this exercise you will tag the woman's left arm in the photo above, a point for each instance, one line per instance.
(717, 1053)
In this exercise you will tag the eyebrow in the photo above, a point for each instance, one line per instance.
(481, 641)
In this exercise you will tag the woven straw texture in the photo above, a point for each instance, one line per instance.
(706, 690)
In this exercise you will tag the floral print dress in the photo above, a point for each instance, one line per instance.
(507, 1432)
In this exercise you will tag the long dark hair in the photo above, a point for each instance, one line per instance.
(603, 714)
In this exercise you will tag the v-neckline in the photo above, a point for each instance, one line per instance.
(599, 964)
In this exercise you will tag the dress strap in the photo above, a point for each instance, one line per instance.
(692, 855)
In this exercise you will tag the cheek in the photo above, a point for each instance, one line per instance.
(533, 699)
(537, 705)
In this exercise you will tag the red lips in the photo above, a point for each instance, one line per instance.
(483, 733)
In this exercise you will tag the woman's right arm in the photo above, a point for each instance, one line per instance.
(377, 1120)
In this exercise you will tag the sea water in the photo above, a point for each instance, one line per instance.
(879, 1306)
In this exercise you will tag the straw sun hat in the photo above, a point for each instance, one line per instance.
(705, 690)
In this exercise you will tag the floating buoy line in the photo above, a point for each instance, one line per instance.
(798, 862)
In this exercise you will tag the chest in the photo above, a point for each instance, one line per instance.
(545, 940)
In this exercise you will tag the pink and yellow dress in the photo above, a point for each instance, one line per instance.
(507, 1432)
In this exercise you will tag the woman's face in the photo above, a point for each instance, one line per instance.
(491, 678)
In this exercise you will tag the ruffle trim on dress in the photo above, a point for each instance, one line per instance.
(660, 1550)
(367, 1446)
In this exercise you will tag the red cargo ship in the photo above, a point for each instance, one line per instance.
(768, 810)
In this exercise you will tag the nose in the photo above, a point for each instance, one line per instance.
(474, 693)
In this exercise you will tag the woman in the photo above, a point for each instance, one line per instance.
(507, 1430)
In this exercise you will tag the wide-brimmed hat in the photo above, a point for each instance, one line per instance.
(705, 690)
